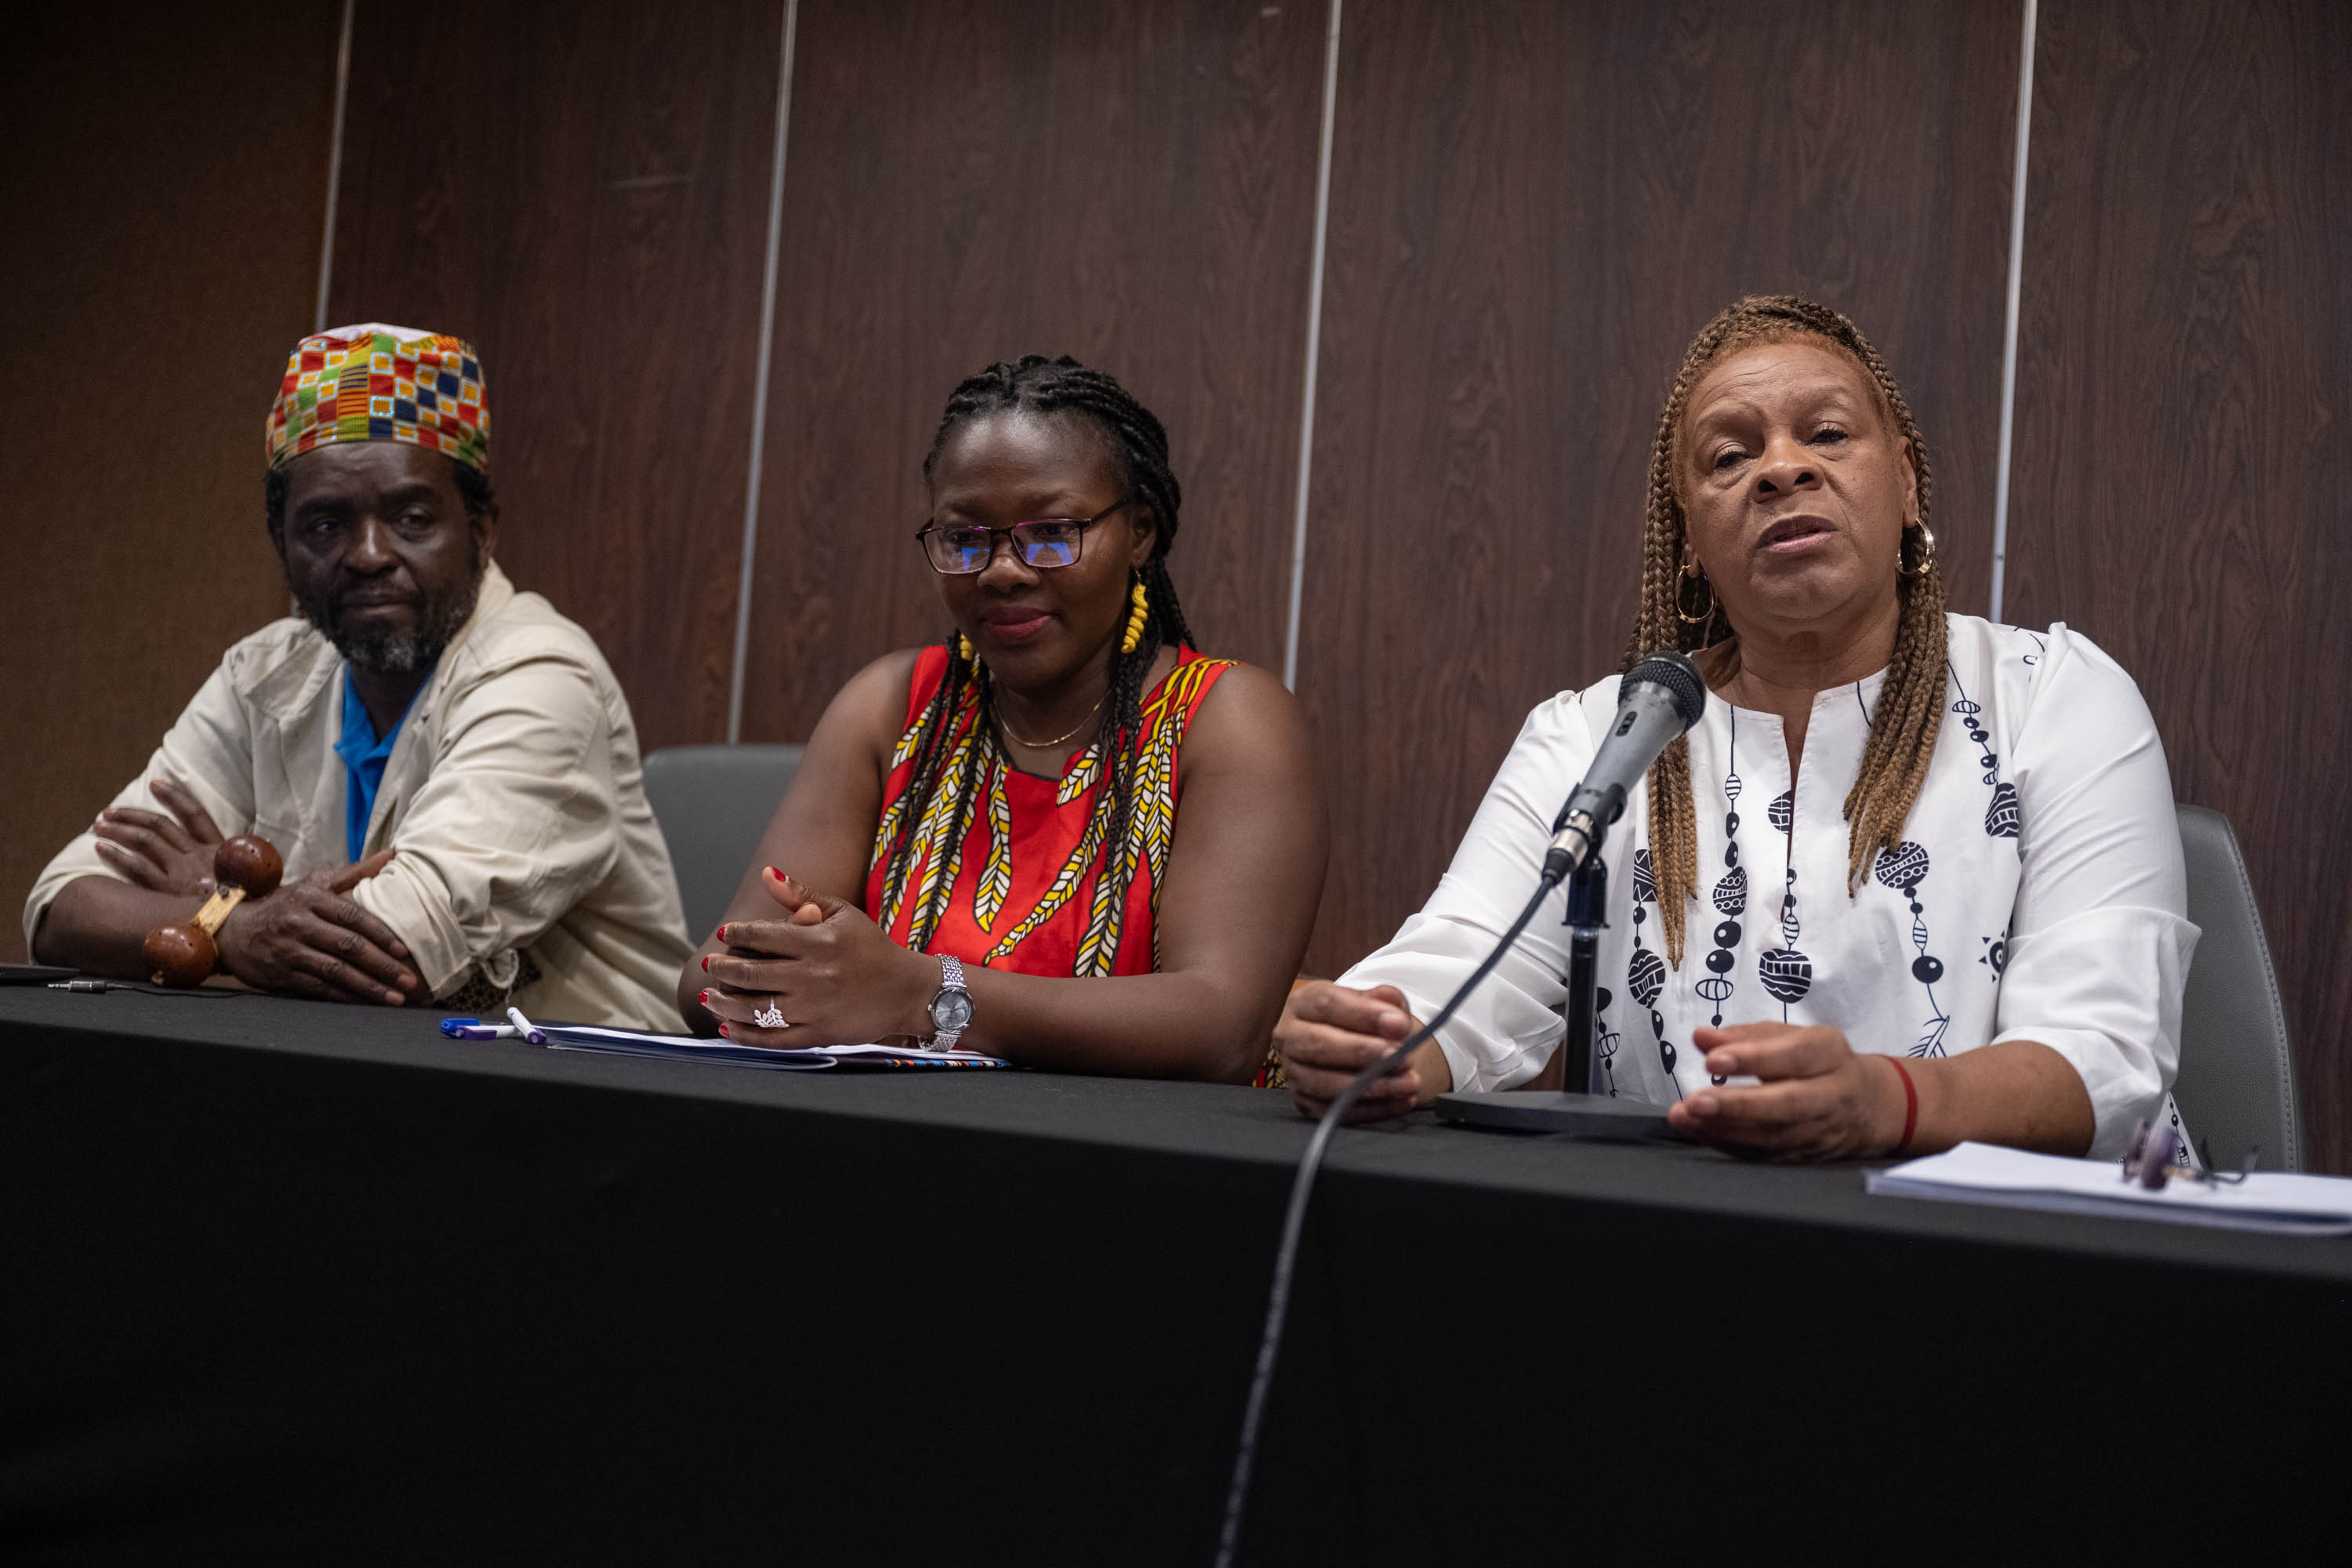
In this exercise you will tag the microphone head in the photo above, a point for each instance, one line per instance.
(1676, 675)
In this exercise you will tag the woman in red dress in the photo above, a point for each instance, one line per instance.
(1062, 836)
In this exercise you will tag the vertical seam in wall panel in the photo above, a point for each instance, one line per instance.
(2009, 324)
(335, 165)
(760, 379)
(1314, 346)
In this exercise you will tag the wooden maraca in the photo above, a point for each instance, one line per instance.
(182, 955)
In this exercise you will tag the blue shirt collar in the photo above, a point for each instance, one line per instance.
(364, 754)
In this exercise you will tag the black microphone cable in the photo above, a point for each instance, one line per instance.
(1286, 1258)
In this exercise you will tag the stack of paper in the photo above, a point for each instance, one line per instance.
(1983, 1174)
(688, 1048)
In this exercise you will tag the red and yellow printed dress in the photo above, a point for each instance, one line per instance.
(1024, 886)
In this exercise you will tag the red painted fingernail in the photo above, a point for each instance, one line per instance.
(778, 876)
(705, 964)
(722, 1029)
(703, 1000)
(719, 935)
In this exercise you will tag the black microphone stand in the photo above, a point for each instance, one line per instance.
(1588, 916)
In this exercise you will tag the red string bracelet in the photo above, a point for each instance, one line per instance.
(1910, 1105)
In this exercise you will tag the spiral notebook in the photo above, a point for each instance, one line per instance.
(812, 1058)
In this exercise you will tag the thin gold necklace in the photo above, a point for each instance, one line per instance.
(1058, 740)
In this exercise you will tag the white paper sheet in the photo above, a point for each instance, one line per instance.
(2280, 1202)
(691, 1047)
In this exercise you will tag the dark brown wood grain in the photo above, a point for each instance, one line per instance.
(1534, 208)
(582, 192)
(2178, 489)
(1130, 182)
(165, 187)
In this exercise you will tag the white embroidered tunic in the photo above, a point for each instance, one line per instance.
(2038, 893)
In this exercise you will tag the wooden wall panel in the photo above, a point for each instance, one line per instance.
(165, 188)
(1132, 183)
(581, 191)
(2182, 398)
(1534, 208)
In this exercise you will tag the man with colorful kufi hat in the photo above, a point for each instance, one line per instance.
(446, 765)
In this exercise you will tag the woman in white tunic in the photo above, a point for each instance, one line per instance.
(1914, 878)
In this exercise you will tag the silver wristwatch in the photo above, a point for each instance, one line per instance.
(951, 1008)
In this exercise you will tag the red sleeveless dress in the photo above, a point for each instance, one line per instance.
(1023, 886)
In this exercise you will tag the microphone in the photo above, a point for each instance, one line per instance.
(1660, 698)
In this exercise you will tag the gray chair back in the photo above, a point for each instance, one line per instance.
(2236, 1086)
(713, 803)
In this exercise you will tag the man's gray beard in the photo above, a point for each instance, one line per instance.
(401, 653)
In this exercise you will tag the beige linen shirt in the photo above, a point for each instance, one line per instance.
(513, 795)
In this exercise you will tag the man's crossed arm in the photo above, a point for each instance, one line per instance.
(308, 939)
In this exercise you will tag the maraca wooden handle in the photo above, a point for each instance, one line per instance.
(183, 955)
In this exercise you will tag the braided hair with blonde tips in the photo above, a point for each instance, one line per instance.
(1138, 444)
(1910, 709)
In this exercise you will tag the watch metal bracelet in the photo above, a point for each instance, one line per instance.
(951, 1008)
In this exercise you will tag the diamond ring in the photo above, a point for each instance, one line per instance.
(771, 1017)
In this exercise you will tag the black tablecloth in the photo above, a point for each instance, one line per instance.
(281, 1282)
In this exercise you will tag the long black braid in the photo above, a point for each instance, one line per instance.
(1035, 384)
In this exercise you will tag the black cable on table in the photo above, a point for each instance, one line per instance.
(90, 986)
(1294, 1220)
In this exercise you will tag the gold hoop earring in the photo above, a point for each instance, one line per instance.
(1135, 619)
(1683, 615)
(1926, 556)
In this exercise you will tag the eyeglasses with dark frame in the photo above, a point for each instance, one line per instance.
(960, 549)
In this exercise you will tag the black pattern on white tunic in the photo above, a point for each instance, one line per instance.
(1903, 867)
(1645, 972)
(1731, 896)
(2002, 819)
(1606, 1039)
(1786, 973)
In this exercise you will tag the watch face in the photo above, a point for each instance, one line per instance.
(951, 1009)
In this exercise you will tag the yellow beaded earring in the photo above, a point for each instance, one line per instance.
(963, 647)
(1134, 637)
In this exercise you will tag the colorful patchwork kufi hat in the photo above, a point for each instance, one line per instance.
(374, 383)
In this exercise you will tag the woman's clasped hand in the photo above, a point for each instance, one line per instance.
(1330, 1033)
(817, 972)
(1815, 1098)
